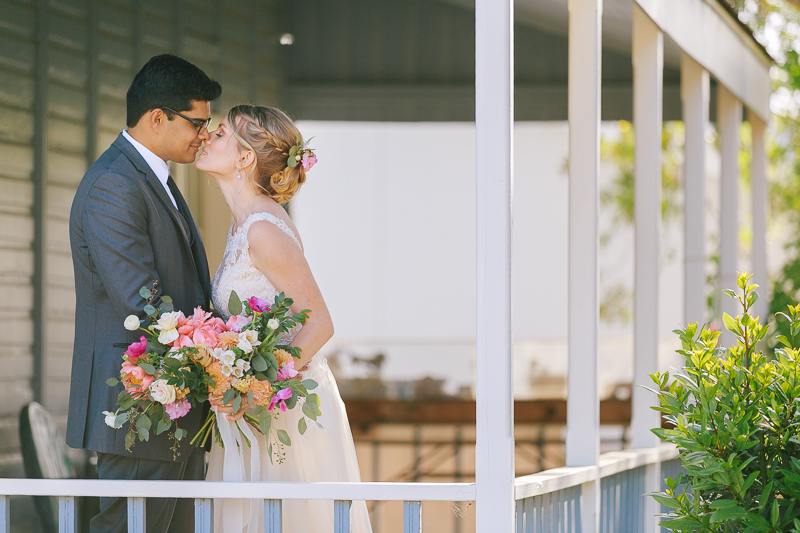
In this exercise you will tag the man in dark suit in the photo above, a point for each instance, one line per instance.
(129, 226)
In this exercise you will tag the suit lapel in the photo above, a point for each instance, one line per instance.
(198, 259)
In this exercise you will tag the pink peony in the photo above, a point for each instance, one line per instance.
(257, 304)
(205, 335)
(280, 396)
(178, 408)
(136, 380)
(237, 322)
(182, 340)
(309, 160)
(287, 371)
(136, 349)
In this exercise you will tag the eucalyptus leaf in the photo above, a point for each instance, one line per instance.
(112, 382)
(163, 425)
(148, 369)
(265, 422)
(144, 434)
(301, 426)
(145, 293)
(237, 404)
(284, 437)
(234, 304)
(228, 396)
(309, 384)
(143, 422)
(150, 310)
(258, 363)
(166, 299)
(180, 433)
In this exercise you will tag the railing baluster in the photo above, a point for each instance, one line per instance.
(203, 515)
(66, 514)
(273, 516)
(412, 517)
(5, 514)
(341, 516)
(136, 515)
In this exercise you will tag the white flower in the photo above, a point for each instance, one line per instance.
(248, 340)
(217, 353)
(162, 392)
(228, 357)
(273, 323)
(168, 320)
(227, 370)
(167, 335)
(238, 372)
(244, 365)
(131, 323)
(111, 418)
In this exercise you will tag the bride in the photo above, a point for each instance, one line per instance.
(248, 155)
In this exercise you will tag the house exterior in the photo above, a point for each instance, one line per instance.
(64, 70)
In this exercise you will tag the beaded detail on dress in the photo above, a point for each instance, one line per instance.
(237, 270)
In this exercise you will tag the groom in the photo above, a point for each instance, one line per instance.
(129, 226)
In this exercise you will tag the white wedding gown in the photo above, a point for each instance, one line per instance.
(326, 454)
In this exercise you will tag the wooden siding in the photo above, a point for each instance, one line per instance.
(61, 104)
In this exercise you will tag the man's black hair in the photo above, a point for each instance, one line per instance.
(168, 81)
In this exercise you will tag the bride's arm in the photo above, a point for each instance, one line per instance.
(276, 255)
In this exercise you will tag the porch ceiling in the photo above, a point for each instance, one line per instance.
(413, 60)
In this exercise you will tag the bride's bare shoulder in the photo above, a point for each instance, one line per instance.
(273, 228)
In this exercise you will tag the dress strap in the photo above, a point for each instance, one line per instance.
(269, 217)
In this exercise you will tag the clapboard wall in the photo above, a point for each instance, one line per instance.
(64, 70)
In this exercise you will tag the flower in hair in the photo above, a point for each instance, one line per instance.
(308, 160)
(300, 153)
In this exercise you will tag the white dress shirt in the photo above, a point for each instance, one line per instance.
(158, 165)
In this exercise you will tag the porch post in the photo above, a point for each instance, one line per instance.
(648, 66)
(583, 406)
(758, 183)
(695, 95)
(729, 119)
(494, 121)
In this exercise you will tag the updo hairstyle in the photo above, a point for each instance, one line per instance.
(270, 134)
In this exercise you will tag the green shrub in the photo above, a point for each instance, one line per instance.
(736, 425)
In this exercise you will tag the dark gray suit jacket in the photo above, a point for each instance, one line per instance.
(125, 233)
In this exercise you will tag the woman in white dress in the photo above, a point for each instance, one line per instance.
(248, 155)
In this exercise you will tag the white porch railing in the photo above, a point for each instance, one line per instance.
(550, 501)
(547, 502)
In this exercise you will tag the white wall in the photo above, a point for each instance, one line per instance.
(387, 219)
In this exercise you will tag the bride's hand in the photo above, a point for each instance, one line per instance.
(228, 409)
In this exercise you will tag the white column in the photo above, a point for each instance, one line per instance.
(583, 406)
(695, 95)
(648, 67)
(758, 181)
(494, 121)
(648, 60)
(729, 119)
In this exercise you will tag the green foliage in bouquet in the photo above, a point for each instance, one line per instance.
(181, 382)
(735, 418)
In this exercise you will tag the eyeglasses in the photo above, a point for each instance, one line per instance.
(198, 123)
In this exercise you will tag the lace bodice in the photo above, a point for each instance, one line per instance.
(237, 272)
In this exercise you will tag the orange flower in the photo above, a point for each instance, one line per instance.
(227, 339)
(223, 382)
(282, 356)
(262, 392)
(243, 385)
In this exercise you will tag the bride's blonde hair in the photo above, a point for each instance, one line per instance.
(270, 134)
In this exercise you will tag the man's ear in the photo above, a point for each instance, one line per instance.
(156, 119)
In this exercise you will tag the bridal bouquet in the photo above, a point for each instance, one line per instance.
(181, 361)
(249, 365)
(163, 374)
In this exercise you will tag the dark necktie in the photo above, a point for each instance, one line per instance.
(181, 203)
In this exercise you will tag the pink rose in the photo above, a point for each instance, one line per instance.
(309, 160)
(257, 304)
(136, 349)
(237, 322)
(136, 380)
(178, 408)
